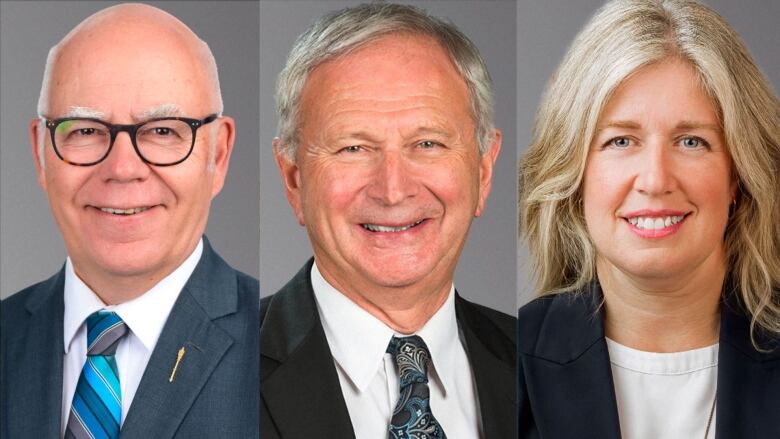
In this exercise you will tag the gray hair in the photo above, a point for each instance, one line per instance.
(342, 31)
(623, 37)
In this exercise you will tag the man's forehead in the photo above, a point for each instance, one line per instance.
(160, 91)
(396, 63)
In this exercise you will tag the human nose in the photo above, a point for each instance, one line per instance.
(656, 173)
(123, 162)
(392, 180)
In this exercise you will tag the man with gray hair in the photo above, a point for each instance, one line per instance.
(145, 331)
(386, 148)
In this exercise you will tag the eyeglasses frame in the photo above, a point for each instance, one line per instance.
(131, 129)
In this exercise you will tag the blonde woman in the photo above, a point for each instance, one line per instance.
(649, 200)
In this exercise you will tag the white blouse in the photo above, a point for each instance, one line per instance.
(664, 396)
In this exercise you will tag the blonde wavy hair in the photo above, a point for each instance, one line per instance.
(624, 36)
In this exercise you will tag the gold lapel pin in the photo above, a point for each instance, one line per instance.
(179, 356)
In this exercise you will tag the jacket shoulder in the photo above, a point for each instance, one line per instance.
(14, 307)
(556, 314)
(496, 331)
(530, 317)
(485, 316)
(248, 285)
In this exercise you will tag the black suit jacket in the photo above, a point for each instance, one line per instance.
(300, 393)
(566, 387)
(214, 393)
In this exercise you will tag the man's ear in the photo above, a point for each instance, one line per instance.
(226, 137)
(291, 178)
(487, 162)
(37, 138)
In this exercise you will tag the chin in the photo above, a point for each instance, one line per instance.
(128, 259)
(129, 267)
(652, 268)
(395, 275)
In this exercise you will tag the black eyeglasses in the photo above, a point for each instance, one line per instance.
(83, 141)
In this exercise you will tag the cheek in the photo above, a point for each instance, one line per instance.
(63, 187)
(453, 183)
(596, 191)
(329, 190)
(605, 188)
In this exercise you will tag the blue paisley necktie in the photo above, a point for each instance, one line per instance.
(96, 411)
(412, 417)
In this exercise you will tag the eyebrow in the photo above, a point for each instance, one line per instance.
(77, 111)
(164, 110)
(684, 125)
(619, 124)
(690, 125)
(430, 130)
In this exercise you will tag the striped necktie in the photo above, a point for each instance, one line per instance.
(412, 417)
(96, 412)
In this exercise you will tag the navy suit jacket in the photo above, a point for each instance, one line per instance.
(566, 387)
(214, 393)
(300, 393)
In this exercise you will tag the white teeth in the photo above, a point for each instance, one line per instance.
(655, 223)
(388, 229)
(131, 211)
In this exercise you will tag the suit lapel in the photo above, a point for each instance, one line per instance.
(38, 355)
(567, 370)
(298, 380)
(493, 363)
(160, 405)
(748, 380)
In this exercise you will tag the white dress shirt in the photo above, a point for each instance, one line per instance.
(664, 396)
(368, 375)
(144, 316)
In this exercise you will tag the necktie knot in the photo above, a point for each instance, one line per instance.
(104, 330)
(412, 357)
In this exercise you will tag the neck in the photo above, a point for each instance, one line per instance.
(114, 290)
(667, 315)
(404, 309)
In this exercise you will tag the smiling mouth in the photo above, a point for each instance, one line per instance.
(655, 223)
(124, 212)
(390, 229)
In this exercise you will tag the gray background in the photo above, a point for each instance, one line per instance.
(31, 248)
(486, 272)
(545, 30)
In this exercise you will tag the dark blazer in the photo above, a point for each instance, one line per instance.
(213, 395)
(299, 390)
(566, 387)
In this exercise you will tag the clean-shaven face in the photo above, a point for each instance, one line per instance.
(658, 180)
(123, 217)
(388, 168)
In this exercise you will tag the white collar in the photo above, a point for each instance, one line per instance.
(358, 340)
(145, 315)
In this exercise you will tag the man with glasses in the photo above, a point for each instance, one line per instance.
(146, 330)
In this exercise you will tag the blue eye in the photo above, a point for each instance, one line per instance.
(693, 142)
(620, 142)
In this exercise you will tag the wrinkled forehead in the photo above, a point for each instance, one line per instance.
(386, 76)
(128, 68)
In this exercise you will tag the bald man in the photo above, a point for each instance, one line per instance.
(145, 332)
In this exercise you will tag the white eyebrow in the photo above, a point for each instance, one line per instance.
(93, 113)
(164, 110)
